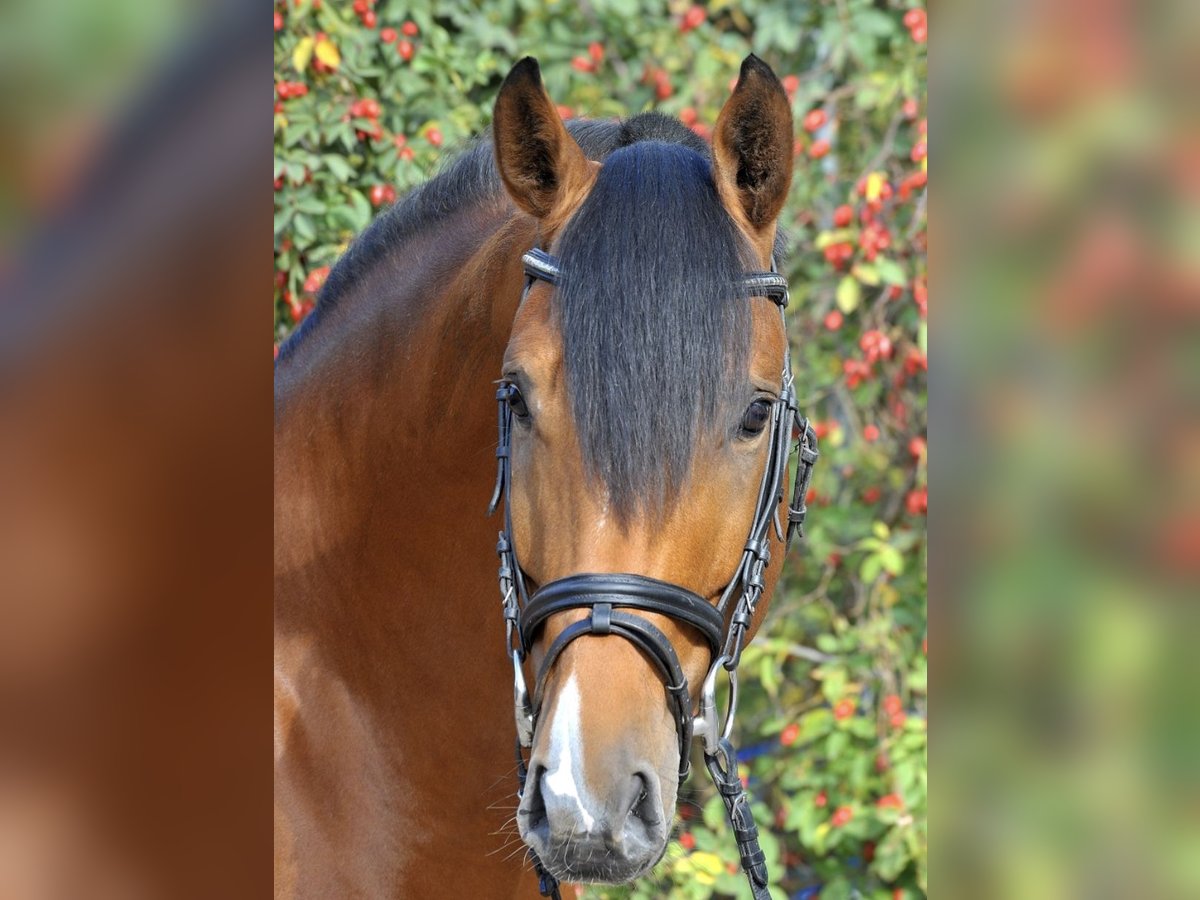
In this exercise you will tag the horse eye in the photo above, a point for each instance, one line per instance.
(756, 417)
(516, 402)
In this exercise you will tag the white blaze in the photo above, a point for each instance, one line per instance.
(564, 776)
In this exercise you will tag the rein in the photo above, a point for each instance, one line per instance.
(613, 599)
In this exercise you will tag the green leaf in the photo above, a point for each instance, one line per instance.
(836, 745)
(338, 167)
(890, 271)
(306, 232)
(829, 238)
(848, 294)
(714, 813)
(892, 560)
(827, 643)
(866, 273)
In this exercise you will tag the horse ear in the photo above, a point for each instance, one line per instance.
(752, 146)
(542, 167)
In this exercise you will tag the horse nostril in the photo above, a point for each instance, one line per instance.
(533, 805)
(643, 804)
(642, 814)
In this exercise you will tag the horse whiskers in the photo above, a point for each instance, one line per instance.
(505, 829)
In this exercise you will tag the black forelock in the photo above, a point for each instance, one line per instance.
(654, 325)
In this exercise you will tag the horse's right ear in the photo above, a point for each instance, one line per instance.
(542, 167)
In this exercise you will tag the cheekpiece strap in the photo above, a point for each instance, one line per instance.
(541, 265)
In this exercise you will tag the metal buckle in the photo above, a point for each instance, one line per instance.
(707, 724)
(522, 708)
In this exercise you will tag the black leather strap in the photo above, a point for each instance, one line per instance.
(543, 266)
(604, 620)
(723, 769)
(622, 591)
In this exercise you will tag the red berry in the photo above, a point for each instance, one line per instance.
(844, 709)
(876, 345)
(360, 7)
(841, 816)
(367, 108)
(919, 34)
(687, 841)
(890, 800)
(899, 894)
(278, 21)
(410, 29)
(692, 19)
(791, 84)
(387, 35)
(917, 447)
(596, 51)
(316, 278)
(856, 371)
(405, 49)
(843, 216)
(565, 112)
(434, 136)
(369, 18)
(871, 495)
(898, 720)
(892, 704)
(919, 151)
(917, 501)
(909, 109)
(687, 116)
(821, 799)
(662, 85)
(833, 320)
(583, 64)
(406, 154)
(377, 195)
(815, 120)
(914, 17)
(299, 309)
(819, 148)
(870, 434)
(789, 734)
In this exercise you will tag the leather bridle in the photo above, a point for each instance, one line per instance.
(613, 601)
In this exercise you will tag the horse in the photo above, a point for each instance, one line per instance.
(589, 280)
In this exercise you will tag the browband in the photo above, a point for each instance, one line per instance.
(541, 265)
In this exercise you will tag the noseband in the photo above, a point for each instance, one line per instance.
(614, 600)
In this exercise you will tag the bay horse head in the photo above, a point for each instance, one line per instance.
(646, 416)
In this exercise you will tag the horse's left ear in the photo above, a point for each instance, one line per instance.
(544, 170)
(752, 147)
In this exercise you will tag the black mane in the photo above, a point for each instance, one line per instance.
(655, 333)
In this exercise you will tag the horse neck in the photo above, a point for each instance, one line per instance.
(385, 438)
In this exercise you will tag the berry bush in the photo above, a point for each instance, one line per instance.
(370, 96)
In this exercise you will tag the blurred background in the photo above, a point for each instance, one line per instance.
(135, 449)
